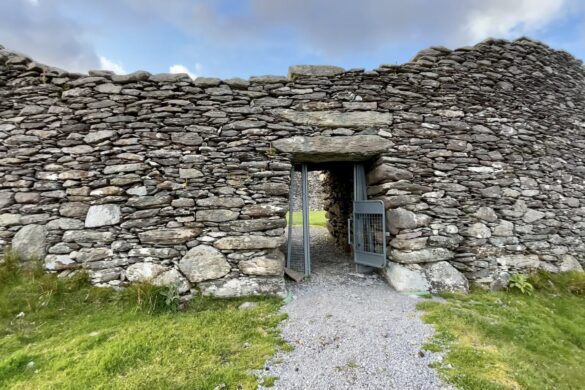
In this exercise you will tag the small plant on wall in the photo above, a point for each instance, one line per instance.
(44, 77)
(271, 152)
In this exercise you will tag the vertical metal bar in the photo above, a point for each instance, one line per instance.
(359, 183)
(359, 194)
(349, 230)
(355, 183)
(370, 231)
(306, 235)
(291, 195)
(384, 249)
(356, 220)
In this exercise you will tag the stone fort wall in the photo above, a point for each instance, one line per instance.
(165, 178)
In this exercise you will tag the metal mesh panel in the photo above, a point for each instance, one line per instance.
(371, 233)
(296, 238)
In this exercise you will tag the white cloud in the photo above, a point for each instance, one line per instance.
(504, 18)
(41, 30)
(351, 26)
(107, 64)
(179, 68)
(52, 33)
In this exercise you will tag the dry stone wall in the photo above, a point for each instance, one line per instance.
(316, 193)
(164, 178)
(338, 189)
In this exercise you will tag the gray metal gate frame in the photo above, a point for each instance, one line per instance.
(369, 251)
(373, 252)
(305, 216)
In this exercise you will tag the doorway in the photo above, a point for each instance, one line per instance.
(354, 232)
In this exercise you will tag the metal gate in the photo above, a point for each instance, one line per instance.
(369, 232)
(369, 225)
(367, 228)
(299, 247)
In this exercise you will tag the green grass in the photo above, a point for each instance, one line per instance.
(507, 340)
(74, 336)
(316, 218)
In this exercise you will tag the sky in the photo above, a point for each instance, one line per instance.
(241, 38)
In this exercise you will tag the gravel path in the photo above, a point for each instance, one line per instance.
(350, 331)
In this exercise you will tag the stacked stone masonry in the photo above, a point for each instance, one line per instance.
(338, 191)
(316, 194)
(173, 180)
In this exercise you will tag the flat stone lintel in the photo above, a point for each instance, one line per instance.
(329, 149)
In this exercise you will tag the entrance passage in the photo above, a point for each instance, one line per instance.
(356, 224)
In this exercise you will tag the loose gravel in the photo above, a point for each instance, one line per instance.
(350, 331)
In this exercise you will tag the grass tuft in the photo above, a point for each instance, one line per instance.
(66, 334)
(269, 381)
(9, 267)
(562, 283)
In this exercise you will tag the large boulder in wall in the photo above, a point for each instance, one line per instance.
(385, 173)
(435, 277)
(444, 277)
(569, 264)
(156, 274)
(144, 272)
(30, 242)
(406, 278)
(204, 263)
(400, 218)
(266, 265)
